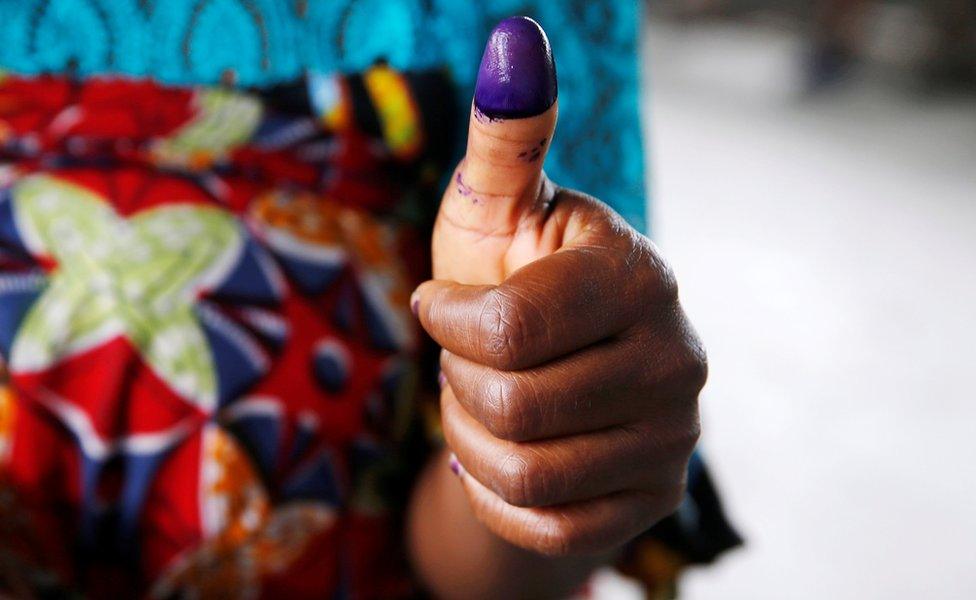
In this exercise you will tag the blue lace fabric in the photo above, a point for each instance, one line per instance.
(598, 146)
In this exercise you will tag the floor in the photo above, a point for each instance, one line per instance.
(825, 249)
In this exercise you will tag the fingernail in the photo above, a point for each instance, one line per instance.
(415, 303)
(441, 379)
(456, 467)
(517, 77)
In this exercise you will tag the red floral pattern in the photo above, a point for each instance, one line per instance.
(253, 462)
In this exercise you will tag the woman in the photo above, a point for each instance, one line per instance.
(207, 297)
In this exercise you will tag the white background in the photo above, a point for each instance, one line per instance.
(826, 250)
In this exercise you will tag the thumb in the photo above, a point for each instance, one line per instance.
(499, 183)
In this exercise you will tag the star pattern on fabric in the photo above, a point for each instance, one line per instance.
(128, 295)
(137, 278)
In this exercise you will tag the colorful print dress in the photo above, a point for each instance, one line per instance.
(209, 352)
(212, 385)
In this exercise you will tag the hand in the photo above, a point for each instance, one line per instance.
(572, 373)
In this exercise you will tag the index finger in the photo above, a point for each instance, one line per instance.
(558, 304)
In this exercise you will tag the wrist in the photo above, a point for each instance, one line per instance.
(458, 557)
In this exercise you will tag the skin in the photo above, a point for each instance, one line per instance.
(572, 378)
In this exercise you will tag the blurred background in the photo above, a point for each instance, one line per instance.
(813, 168)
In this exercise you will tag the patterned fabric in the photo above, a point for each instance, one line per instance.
(204, 323)
(259, 42)
(209, 370)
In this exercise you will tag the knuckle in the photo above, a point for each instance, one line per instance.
(681, 443)
(559, 535)
(508, 409)
(659, 278)
(660, 502)
(667, 282)
(697, 358)
(671, 500)
(678, 447)
(502, 330)
(523, 480)
(691, 437)
(683, 370)
(693, 368)
(667, 444)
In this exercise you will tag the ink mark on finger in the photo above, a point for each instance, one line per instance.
(530, 156)
(464, 189)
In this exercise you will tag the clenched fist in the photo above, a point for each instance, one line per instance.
(570, 373)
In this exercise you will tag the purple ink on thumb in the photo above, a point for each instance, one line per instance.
(517, 78)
